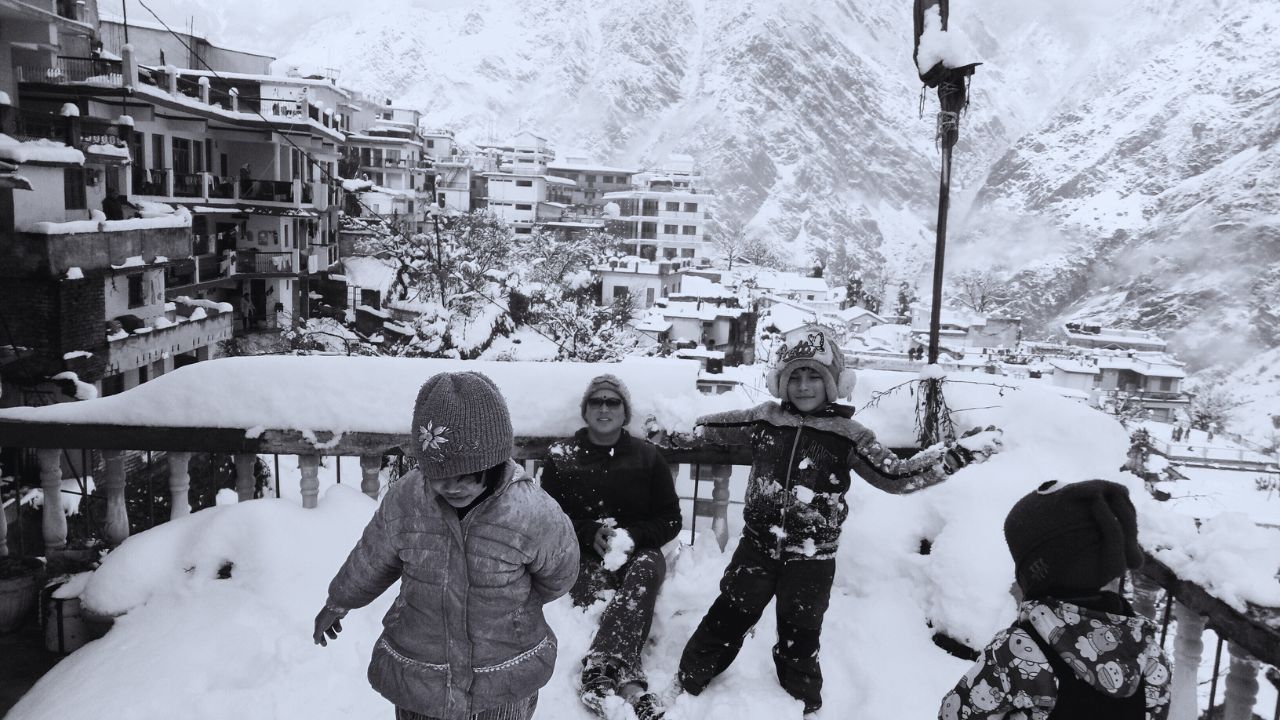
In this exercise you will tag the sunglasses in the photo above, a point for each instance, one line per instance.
(610, 403)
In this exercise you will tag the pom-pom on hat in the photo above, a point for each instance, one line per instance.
(608, 382)
(1069, 540)
(813, 351)
(461, 425)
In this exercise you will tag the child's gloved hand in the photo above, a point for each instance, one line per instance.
(601, 542)
(981, 442)
(328, 622)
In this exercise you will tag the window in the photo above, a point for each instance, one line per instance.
(73, 189)
(524, 183)
(142, 375)
(686, 252)
(670, 229)
(621, 291)
(649, 207)
(673, 207)
(523, 230)
(648, 231)
(591, 179)
(691, 207)
(648, 297)
(431, 143)
(523, 206)
(668, 253)
(689, 230)
(157, 151)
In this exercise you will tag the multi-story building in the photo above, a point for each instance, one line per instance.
(389, 152)
(1086, 335)
(593, 179)
(645, 280)
(438, 144)
(87, 297)
(527, 153)
(523, 199)
(662, 220)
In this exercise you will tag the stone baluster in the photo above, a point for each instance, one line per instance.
(310, 483)
(171, 79)
(234, 98)
(203, 84)
(129, 70)
(1188, 646)
(245, 480)
(720, 500)
(117, 516)
(54, 521)
(179, 484)
(370, 466)
(1242, 685)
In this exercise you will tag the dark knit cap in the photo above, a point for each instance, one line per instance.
(461, 425)
(608, 382)
(1069, 540)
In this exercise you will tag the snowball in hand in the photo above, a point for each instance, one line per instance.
(620, 547)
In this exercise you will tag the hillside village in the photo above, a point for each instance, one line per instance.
(165, 202)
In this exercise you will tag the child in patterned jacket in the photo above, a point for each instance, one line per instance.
(1077, 649)
(803, 451)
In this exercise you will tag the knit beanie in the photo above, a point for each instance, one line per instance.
(608, 382)
(461, 425)
(813, 351)
(1068, 540)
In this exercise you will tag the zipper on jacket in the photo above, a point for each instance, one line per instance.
(786, 489)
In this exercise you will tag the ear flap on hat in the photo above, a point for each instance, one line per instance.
(772, 381)
(1117, 498)
(848, 379)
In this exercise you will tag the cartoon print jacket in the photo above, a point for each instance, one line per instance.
(1058, 655)
(800, 472)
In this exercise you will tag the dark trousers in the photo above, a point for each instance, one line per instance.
(803, 591)
(519, 710)
(625, 623)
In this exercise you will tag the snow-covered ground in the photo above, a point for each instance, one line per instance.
(191, 644)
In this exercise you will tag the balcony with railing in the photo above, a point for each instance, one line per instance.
(166, 417)
(66, 69)
(265, 263)
(85, 132)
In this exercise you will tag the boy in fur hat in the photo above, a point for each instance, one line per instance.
(804, 451)
(1077, 651)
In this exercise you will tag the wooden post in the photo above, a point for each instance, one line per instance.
(370, 465)
(1242, 685)
(1188, 646)
(54, 521)
(244, 475)
(179, 484)
(117, 516)
(720, 500)
(310, 467)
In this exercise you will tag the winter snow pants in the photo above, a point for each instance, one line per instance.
(625, 623)
(753, 578)
(519, 710)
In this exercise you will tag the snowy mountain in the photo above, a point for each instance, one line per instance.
(1109, 151)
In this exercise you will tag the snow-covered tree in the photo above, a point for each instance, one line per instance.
(906, 297)
(736, 242)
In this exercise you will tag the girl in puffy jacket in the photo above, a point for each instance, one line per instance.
(478, 548)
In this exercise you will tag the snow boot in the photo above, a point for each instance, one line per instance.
(647, 707)
(598, 686)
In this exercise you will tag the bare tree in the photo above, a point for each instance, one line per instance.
(737, 242)
(979, 290)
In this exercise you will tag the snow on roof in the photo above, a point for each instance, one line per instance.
(1149, 364)
(553, 180)
(369, 272)
(787, 318)
(38, 152)
(854, 312)
(696, 286)
(651, 323)
(589, 167)
(375, 394)
(691, 311)
(700, 353)
(1073, 366)
(179, 219)
(786, 281)
(356, 185)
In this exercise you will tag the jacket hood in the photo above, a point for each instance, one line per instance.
(1111, 653)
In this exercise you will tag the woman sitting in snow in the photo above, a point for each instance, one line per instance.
(1077, 649)
(803, 452)
(618, 491)
(478, 547)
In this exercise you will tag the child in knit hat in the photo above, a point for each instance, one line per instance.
(804, 452)
(617, 490)
(478, 549)
(1077, 651)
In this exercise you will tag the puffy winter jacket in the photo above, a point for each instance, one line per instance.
(800, 472)
(1062, 661)
(466, 632)
(628, 481)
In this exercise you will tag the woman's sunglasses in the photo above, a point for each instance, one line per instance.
(604, 402)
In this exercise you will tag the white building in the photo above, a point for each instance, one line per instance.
(516, 197)
(662, 221)
(593, 179)
(645, 280)
(1081, 334)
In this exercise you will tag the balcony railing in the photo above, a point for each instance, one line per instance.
(222, 188)
(268, 262)
(67, 69)
(267, 190)
(32, 125)
(188, 185)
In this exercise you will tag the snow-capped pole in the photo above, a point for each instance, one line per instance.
(944, 61)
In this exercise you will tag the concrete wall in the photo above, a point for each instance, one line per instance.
(46, 201)
(51, 255)
(115, 294)
(159, 346)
